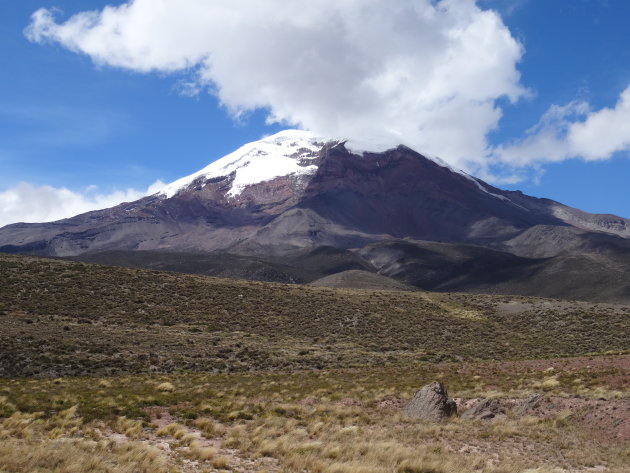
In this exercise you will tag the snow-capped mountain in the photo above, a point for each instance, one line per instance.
(288, 153)
(294, 193)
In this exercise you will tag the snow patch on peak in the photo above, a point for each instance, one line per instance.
(274, 156)
(282, 154)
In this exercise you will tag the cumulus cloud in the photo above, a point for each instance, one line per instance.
(426, 73)
(423, 72)
(573, 131)
(26, 202)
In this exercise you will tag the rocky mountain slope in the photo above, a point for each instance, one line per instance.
(272, 206)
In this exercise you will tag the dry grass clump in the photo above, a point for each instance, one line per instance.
(222, 462)
(79, 456)
(172, 430)
(22, 426)
(200, 452)
(209, 428)
(6, 408)
(332, 446)
(130, 427)
(105, 383)
(29, 426)
(60, 442)
(189, 438)
(165, 387)
(599, 392)
(549, 383)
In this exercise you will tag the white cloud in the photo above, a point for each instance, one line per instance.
(573, 131)
(26, 202)
(423, 72)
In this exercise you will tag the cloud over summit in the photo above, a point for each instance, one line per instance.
(426, 73)
(421, 72)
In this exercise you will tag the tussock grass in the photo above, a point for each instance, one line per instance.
(201, 453)
(221, 462)
(173, 430)
(329, 421)
(130, 427)
(79, 456)
(165, 387)
(61, 442)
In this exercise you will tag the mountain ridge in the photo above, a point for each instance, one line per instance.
(287, 195)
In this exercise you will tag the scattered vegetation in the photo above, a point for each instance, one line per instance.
(326, 421)
(64, 318)
(118, 370)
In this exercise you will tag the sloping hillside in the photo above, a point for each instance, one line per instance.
(357, 279)
(62, 318)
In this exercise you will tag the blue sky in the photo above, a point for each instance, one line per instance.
(574, 50)
(66, 122)
(96, 122)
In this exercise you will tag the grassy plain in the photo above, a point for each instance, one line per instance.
(118, 370)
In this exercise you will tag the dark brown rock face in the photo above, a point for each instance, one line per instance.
(431, 403)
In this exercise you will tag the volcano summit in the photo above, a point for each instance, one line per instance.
(295, 207)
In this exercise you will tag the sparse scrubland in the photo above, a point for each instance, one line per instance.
(118, 370)
(63, 318)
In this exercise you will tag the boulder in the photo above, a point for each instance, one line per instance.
(431, 403)
(485, 409)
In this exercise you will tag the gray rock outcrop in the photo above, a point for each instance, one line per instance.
(529, 404)
(431, 403)
(485, 409)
